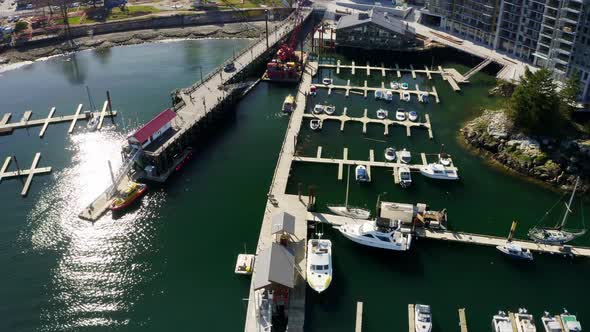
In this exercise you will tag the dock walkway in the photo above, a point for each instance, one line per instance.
(365, 89)
(365, 120)
(29, 173)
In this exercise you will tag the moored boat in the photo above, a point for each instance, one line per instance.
(319, 264)
(501, 323)
(382, 114)
(524, 321)
(133, 191)
(395, 85)
(313, 90)
(413, 116)
(314, 124)
(390, 154)
(289, 104)
(349, 211)
(514, 250)
(379, 233)
(361, 174)
(406, 96)
(92, 123)
(405, 156)
(379, 94)
(327, 80)
(570, 322)
(400, 114)
(551, 323)
(422, 318)
(388, 95)
(329, 109)
(404, 86)
(318, 109)
(439, 172)
(404, 177)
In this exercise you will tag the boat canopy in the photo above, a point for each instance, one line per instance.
(274, 265)
(283, 223)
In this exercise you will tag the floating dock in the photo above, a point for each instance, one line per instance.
(367, 163)
(365, 89)
(467, 238)
(365, 120)
(358, 327)
(411, 318)
(26, 122)
(29, 173)
(463, 320)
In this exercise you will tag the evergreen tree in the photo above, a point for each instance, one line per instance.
(569, 94)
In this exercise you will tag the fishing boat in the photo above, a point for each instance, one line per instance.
(390, 154)
(501, 323)
(361, 174)
(263, 309)
(514, 250)
(404, 86)
(289, 104)
(314, 124)
(570, 322)
(422, 318)
(405, 156)
(388, 95)
(524, 321)
(313, 90)
(329, 109)
(404, 177)
(382, 114)
(319, 264)
(395, 85)
(413, 116)
(406, 96)
(557, 234)
(133, 191)
(318, 109)
(327, 80)
(379, 233)
(551, 323)
(346, 210)
(439, 172)
(400, 114)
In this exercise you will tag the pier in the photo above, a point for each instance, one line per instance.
(6, 128)
(365, 89)
(467, 238)
(463, 320)
(365, 120)
(411, 318)
(29, 173)
(394, 165)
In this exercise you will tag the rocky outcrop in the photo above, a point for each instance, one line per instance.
(543, 158)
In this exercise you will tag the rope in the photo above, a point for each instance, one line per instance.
(551, 209)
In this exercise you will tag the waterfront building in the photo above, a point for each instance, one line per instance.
(547, 33)
(152, 130)
(375, 30)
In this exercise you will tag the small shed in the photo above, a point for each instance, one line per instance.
(155, 128)
(274, 265)
(283, 223)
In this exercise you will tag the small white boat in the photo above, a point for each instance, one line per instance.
(390, 154)
(319, 264)
(406, 96)
(438, 171)
(329, 109)
(379, 94)
(422, 318)
(245, 264)
(92, 123)
(400, 114)
(413, 116)
(318, 109)
(524, 321)
(327, 81)
(570, 322)
(445, 159)
(404, 86)
(380, 233)
(405, 156)
(405, 177)
(501, 323)
(551, 323)
(361, 174)
(263, 309)
(388, 95)
(314, 124)
(382, 114)
(395, 85)
(515, 251)
(349, 211)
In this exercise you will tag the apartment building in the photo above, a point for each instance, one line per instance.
(548, 33)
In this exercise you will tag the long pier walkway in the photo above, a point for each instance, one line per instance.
(28, 173)
(367, 163)
(468, 238)
(365, 120)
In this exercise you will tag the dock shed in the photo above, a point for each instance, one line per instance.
(275, 266)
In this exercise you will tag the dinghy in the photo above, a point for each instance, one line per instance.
(314, 124)
(382, 114)
(390, 154)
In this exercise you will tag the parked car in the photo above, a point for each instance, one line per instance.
(229, 67)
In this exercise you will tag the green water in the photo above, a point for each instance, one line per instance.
(168, 265)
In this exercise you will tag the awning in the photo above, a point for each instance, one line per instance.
(274, 265)
(283, 222)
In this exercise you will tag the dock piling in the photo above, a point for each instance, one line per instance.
(359, 317)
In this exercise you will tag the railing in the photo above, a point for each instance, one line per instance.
(122, 172)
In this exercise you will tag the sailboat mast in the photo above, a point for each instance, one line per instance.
(347, 186)
(512, 229)
(567, 207)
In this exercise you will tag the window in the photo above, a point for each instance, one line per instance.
(383, 238)
(368, 235)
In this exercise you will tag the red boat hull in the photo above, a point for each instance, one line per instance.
(129, 202)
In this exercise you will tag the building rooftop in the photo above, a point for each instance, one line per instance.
(148, 129)
(381, 18)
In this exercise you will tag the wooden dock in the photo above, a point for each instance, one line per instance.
(365, 120)
(29, 173)
(25, 122)
(358, 327)
(367, 163)
(365, 89)
(462, 320)
(411, 318)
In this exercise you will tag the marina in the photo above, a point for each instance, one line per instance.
(364, 90)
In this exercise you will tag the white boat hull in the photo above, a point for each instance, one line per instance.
(354, 213)
(373, 243)
(319, 264)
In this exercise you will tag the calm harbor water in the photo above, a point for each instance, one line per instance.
(169, 263)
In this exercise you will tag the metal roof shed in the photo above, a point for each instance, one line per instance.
(274, 265)
(283, 223)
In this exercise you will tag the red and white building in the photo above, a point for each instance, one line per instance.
(150, 131)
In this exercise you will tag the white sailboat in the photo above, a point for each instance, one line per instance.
(557, 234)
(514, 250)
(319, 264)
(348, 211)
(524, 321)
(422, 318)
(501, 323)
(379, 233)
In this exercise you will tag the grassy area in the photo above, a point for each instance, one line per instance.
(249, 3)
(131, 11)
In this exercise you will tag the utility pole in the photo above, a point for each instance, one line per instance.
(266, 24)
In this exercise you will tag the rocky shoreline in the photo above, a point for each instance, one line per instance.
(556, 162)
(229, 30)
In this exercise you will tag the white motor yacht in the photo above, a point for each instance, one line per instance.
(524, 321)
(330, 109)
(382, 114)
(438, 171)
(318, 109)
(514, 250)
(405, 156)
(380, 233)
(327, 80)
(501, 323)
(551, 323)
(413, 116)
(570, 322)
(314, 124)
(422, 318)
(361, 174)
(405, 177)
(406, 96)
(400, 114)
(390, 154)
(319, 264)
